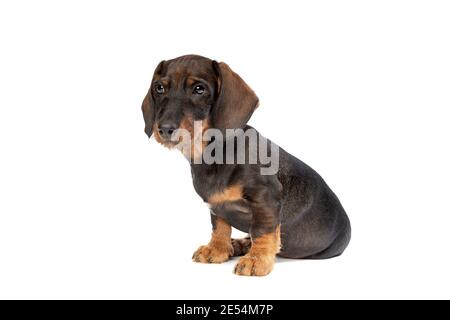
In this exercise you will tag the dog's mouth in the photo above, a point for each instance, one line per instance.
(187, 138)
(168, 142)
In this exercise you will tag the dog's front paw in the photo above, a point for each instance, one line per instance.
(250, 265)
(213, 253)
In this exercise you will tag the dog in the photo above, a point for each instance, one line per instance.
(291, 213)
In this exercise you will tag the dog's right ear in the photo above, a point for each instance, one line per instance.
(148, 105)
(148, 110)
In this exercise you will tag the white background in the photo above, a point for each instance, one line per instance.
(90, 208)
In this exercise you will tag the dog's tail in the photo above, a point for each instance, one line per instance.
(241, 246)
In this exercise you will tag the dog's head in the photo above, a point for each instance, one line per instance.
(193, 88)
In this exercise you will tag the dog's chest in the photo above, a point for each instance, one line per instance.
(208, 180)
(237, 213)
(225, 200)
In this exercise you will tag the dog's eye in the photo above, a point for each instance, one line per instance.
(199, 89)
(159, 88)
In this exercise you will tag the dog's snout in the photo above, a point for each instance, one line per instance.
(167, 129)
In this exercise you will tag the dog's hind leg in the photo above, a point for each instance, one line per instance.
(241, 246)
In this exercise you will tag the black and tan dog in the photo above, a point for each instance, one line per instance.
(292, 213)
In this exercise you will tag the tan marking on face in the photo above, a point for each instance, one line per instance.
(156, 134)
(260, 259)
(197, 144)
(219, 249)
(190, 81)
(164, 81)
(186, 149)
(200, 145)
(187, 124)
(232, 193)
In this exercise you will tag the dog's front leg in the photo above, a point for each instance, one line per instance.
(219, 249)
(265, 236)
(260, 259)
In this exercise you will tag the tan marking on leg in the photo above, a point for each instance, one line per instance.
(219, 248)
(232, 193)
(260, 259)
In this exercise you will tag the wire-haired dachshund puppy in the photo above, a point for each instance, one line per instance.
(291, 212)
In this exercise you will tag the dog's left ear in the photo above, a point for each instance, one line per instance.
(236, 101)
(148, 106)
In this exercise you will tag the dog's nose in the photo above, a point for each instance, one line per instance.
(166, 129)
